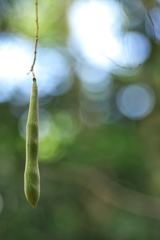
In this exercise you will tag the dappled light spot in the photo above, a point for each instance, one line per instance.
(55, 132)
(94, 79)
(15, 58)
(93, 26)
(93, 102)
(49, 149)
(62, 133)
(45, 122)
(54, 72)
(97, 37)
(13, 69)
(66, 124)
(135, 101)
(54, 75)
(98, 107)
(90, 119)
(132, 55)
(5, 93)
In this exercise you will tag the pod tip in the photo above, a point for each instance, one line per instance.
(33, 205)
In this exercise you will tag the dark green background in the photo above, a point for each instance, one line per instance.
(103, 179)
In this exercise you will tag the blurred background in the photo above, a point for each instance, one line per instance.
(98, 73)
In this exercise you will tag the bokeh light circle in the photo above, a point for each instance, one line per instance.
(135, 101)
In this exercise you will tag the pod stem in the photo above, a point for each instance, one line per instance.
(36, 42)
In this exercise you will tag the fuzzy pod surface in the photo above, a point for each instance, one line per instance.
(31, 174)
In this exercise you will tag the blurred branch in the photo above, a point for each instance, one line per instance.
(129, 67)
(107, 190)
(146, 6)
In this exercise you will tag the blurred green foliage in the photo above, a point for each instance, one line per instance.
(99, 180)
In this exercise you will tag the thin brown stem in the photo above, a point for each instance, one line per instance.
(36, 41)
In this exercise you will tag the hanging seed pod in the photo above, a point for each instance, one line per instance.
(31, 175)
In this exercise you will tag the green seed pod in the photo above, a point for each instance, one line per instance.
(31, 175)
